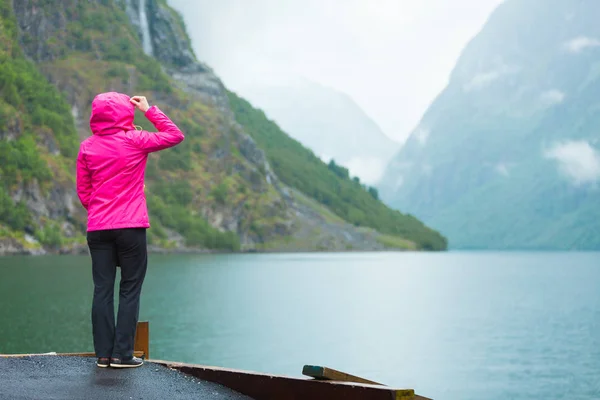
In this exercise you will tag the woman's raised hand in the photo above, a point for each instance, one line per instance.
(140, 102)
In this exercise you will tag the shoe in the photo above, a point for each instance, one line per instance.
(103, 362)
(133, 362)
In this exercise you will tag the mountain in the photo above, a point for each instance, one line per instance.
(216, 191)
(328, 122)
(507, 156)
(331, 185)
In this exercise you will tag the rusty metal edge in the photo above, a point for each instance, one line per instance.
(261, 386)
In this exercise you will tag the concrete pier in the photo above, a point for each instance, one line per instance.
(70, 377)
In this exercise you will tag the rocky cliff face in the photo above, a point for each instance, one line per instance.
(171, 46)
(507, 156)
(219, 176)
(52, 205)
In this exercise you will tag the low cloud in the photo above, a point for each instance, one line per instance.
(552, 97)
(369, 170)
(580, 43)
(484, 79)
(399, 182)
(502, 169)
(577, 160)
(421, 134)
(427, 169)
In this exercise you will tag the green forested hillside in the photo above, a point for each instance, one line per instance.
(298, 167)
(32, 111)
(211, 192)
(99, 51)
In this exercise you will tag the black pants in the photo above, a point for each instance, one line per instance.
(109, 248)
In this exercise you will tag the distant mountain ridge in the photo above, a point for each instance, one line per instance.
(508, 155)
(328, 122)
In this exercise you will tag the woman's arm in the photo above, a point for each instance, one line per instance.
(168, 134)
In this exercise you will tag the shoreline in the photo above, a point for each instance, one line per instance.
(83, 250)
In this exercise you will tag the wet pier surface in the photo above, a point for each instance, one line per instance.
(67, 377)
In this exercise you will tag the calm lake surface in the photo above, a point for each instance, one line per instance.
(458, 326)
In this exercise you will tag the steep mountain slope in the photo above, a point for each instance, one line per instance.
(328, 122)
(216, 190)
(508, 155)
(330, 184)
(37, 143)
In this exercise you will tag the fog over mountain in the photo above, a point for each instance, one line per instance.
(391, 57)
(330, 123)
(508, 155)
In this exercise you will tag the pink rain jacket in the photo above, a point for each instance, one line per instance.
(111, 162)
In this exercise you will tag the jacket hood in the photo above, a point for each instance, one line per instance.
(111, 113)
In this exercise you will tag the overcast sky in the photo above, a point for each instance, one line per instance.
(391, 56)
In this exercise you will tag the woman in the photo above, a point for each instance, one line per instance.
(110, 185)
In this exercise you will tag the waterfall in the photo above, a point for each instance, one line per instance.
(144, 26)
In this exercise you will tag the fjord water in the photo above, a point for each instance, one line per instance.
(474, 325)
